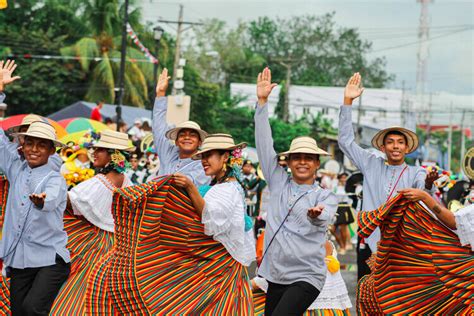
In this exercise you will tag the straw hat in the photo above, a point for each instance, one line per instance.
(412, 138)
(217, 142)
(43, 130)
(114, 140)
(304, 145)
(468, 163)
(26, 121)
(173, 133)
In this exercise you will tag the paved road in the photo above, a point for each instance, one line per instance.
(349, 274)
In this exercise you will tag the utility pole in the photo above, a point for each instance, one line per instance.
(123, 57)
(463, 144)
(179, 32)
(287, 63)
(428, 127)
(178, 45)
(359, 114)
(450, 136)
(423, 54)
(286, 103)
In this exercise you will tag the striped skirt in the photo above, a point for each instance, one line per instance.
(4, 283)
(420, 266)
(158, 262)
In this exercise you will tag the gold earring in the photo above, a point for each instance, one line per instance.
(224, 168)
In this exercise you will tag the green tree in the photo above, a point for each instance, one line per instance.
(100, 55)
(45, 85)
(220, 53)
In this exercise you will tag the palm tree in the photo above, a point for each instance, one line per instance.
(100, 54)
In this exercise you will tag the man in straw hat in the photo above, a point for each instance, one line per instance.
(33, 246)
(382, 177)
(299, 212)
(187, 137)
(6, 71)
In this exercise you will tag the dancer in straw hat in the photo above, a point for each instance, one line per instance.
(221, 205)
(6, 78)
(33, 245)
(91, 226)
(187, 137)
(293, 261)
(382, 177)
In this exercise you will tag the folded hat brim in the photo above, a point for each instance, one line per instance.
(198, 155)
(113, 146)
(173, 133)
(310, 151)
(412, 138)
(56, 142)
(16, 128)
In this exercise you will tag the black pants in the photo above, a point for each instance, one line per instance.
(33, 290)
(289, 299)
(363, 254)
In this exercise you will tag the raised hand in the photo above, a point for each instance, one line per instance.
(264, 86)
(431, 177)
(353, 89)
(162, 84)
(314, 212)
(6, 71)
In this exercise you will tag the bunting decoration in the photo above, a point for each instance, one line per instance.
(142, 47)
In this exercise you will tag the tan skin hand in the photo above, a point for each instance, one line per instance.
(353, 89)
(196, 199)
(264, 86)
(38, 199)
(431, 177)
(315, 211)
(6, 71)
(162, 84)
(442, 213)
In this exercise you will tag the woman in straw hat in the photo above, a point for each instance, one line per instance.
(300, 211)
(91, 230)
(222, 208)
(33, 244)
(187, 137)
(382, 177)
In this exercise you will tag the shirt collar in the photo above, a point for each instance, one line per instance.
(39, 170)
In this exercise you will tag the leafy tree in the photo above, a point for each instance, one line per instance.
(104, 22)
(220, 54)
(320, 52)
(46, 85)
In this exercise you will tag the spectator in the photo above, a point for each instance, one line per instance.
(95, 114)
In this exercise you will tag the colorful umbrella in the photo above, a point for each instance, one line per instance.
(16, 120)
(73, 137)
(78, 124)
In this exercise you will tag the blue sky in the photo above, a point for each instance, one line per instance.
(385, 23)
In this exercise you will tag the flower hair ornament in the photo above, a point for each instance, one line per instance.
(235, 162)
(119, 160)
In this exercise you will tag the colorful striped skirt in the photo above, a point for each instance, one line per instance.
(158, 262)
(4, 283)
(420, 266)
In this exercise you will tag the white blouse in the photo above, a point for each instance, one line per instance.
(465, 225)
(223, 219)
(93, 200)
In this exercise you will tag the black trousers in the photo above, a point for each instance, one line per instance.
(363, 254)
(33, 290)
(289, 299)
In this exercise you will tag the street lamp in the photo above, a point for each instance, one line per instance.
(157, 34)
